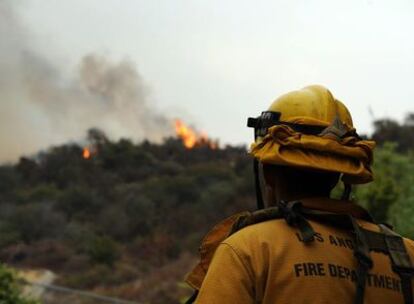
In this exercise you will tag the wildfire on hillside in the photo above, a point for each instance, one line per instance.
(191, 138)
(86, 153)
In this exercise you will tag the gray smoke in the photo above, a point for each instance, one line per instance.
(40, 107)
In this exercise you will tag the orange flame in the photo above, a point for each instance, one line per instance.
(187, 135)
(192, 138)
(86, 153)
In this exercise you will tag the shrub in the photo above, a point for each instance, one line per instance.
(103, 250)
(10, 292)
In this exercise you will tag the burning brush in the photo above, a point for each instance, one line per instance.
(191, 138)
(88, 152)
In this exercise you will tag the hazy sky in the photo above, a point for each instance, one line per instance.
(217, 62)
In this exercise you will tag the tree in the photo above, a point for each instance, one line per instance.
(97, 137)
(392, 173)
(389, 130)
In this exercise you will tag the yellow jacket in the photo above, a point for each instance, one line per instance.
(268, 263)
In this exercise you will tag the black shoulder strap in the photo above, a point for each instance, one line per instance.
(292, 212)
(362, 254)
(193, 297)
(255, 217)
(400, 260)
(392, 244)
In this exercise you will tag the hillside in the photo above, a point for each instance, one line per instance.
(125, 219)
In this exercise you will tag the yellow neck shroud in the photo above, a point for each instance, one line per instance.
(348, 155)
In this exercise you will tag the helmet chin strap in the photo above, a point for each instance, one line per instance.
(260, 125)
(259, 195)
(347, 192)
(254, 123)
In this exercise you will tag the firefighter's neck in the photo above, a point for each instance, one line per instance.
(275, 195)
(288, 184)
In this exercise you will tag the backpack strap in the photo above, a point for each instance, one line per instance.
(400, 260)
(255, 217)
(361, 253)
(192, 298)
(392, 244)
(376, 241)
(361, 248)
(292, 212)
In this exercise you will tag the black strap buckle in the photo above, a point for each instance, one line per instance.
(292, 212)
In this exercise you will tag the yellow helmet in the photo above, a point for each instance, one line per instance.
(311, 129)
(313, 105)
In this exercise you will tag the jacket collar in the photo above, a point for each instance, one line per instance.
(337, 206)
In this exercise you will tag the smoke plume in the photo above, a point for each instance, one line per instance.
(39, 106)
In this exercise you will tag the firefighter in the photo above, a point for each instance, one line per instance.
(302, 246)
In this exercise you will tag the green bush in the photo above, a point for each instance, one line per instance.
(392, 171)
(36, 221)
(10, 292)
(103, 250)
